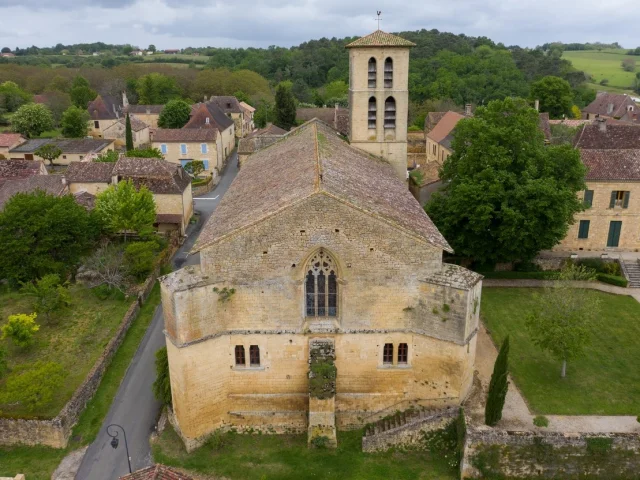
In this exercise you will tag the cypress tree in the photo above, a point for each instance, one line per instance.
(129, 134)
(285, 108)
(498, 386)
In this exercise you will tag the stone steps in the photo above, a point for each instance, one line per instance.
(632, 268)
(398, 420)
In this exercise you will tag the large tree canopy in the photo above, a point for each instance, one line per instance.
(506, 195)
(42, 234)
(175, 114)
(555, 95)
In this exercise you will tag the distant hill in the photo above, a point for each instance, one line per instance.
(605, 68)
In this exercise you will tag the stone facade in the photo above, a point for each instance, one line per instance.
(569, 456)
(384, 298)
(212, 157)
(600, 216)
(118, 131)
(388, 143)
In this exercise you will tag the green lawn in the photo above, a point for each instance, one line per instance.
(605, 382)
(287, 457)
(75, 339)
(38, 463)
(604, 64)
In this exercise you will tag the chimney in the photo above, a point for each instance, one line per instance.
(602, 124)
(610, 109)
(148, 111)
(467, 110)
(125, 100)
(206, 121)
(536, 105)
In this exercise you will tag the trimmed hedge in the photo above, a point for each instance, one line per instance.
(612, 279)
(507, 275)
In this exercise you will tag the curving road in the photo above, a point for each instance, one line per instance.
(135, 407)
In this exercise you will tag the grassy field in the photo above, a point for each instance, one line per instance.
(38, 463)
(287, 457)
(605, 382)
(74, 339)
(604, 65)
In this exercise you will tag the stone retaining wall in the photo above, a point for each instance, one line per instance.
(410, 433)
(495, 453)
(55, 432)
(206, 188)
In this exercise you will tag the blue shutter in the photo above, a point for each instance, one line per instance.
(203, 148)
(163, 148)
(206, 164)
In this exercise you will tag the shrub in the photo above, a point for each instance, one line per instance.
(541, 421)
(33, 385)
(217, 440)
(320, 442)
(140, 258)
(546, 275)
(600, 266)
(612, 279)
(104, 292)
(599, 445)
(49, 295)
(162, 383)
(21, 328)
(414, 128)
(417, 177)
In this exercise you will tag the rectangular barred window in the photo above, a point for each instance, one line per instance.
(254, 356)
(240, 360)
(403, 353)
(387, 354)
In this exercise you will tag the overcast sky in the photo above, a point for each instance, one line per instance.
(260, 23)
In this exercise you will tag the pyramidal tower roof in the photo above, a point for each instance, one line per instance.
(380, 39)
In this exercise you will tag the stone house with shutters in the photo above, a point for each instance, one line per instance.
(73, 149)
(149, 114)
(183, 145)
(611, 219)
(249, 112)
(104, 111)
(209, 116)
(232, 109)
(614, 106)
(9, 141)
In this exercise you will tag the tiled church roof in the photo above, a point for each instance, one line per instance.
(380, 39)
(309, 160)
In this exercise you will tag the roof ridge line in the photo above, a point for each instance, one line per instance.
(318, 174)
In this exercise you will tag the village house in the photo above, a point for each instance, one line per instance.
(9, 141)
(73, 149)
(612, 105)
(257, 140)
(318, 250)
(169, 184)
(117, 131)
(232, 109)
(104, 111)
(611, 219)
(149, 114)
(16, 169)
(183, 145)
(209, 116)
(249, 111)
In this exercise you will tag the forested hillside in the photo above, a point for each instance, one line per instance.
(443, 66)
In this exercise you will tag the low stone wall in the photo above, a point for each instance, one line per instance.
(410, 433)
(206, 188)
(494, 453)
(55, 432)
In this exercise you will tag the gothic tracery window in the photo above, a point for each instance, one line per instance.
(321, 286)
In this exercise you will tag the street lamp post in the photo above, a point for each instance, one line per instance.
(115, 441)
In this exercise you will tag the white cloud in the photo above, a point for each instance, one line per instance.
(181, 23)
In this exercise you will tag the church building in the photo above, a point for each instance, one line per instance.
(321, 301)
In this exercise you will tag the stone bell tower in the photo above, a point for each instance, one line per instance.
(379, 97)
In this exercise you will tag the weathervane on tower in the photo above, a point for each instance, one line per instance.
(378, 19)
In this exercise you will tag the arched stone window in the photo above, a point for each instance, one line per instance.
(321, 286)
(390, 113)
(387, 354)
(373, 111)
(373, 71)
(388, 73)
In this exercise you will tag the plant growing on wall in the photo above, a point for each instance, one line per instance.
(224, 294)
(498, 386)
(162, 383)
(322, 374)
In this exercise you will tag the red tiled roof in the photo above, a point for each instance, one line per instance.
(20, 168)
(89, 172)
(289, 171)
(445, 126)
(200, 112)
(611, 164)
(10, 139)
(157, 175)
(52, 184)
(99, 109)
(432, 119)
(380, 39)
(608, 135)
(185, 135)
(611, 105)
(156, 472)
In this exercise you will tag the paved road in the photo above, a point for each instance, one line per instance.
(135, 407)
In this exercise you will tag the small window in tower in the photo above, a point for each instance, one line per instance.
(403, 353)
(387, 354)
(373, 110)
(240, 361)
(372, 72)
(254, 355)
(390, 113)
(388, 73)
